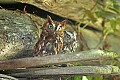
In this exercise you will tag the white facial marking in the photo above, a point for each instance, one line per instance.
(59, 27)
(53, 25)
(71, 35)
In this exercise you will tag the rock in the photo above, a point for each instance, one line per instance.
(73, 9)
(17, 35)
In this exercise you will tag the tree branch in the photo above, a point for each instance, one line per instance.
(77, 70)
(8, 77)
(57, 59)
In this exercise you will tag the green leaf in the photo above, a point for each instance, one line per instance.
(99, 77)
(117, 7)
(91, 15)
(118, 21)
(77, 78)
(89, 77)
(106, 15)
(113, 24)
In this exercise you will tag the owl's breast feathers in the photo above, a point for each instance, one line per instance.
(59, 41)
(45, 45)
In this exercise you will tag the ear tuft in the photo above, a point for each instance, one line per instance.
(64, 22)
(49, 19)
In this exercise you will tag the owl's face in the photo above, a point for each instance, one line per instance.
(69, 36)
(60, 27)
(70, 42)
(49, 26)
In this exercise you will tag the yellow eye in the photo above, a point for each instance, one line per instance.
(68, 37)
(50, 26)
(59, 28)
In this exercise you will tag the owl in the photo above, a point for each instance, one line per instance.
(51, 38)
(70, 42)
(59, 35)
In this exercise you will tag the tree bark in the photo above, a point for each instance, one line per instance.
(77, 70)
(57, 59)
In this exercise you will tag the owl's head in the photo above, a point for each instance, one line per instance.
(49, 25)
(60, 27)
(70, 37)
(52, 26)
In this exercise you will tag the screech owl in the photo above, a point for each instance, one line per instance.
(70, 42)
(59, 35)
(51, 38)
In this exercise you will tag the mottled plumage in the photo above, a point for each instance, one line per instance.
(51, 38)
(70, 43)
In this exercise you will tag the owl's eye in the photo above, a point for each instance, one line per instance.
(68, 37)
(59, 28)
(51, 26)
